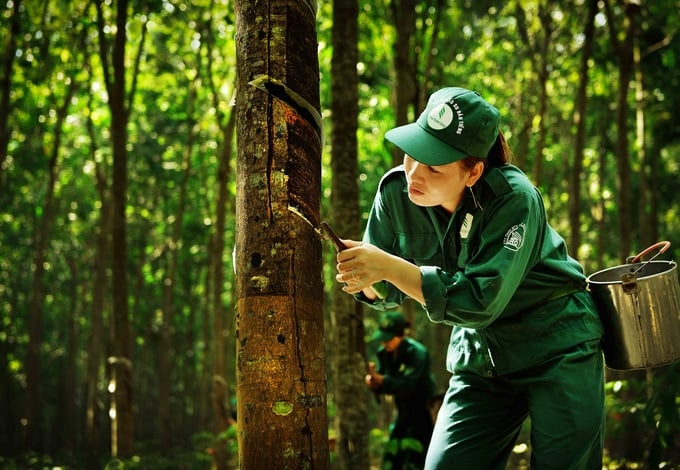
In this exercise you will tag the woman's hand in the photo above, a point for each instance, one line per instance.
(361, 265)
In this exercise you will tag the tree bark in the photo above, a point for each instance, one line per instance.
(68, 409)
(645, 237)
(543, 74)
(221, 392)
(100, 282)
(405, 90)
(537, 49)
(8, 58)
(624, 53)
(281, 377)
(580, 108)
(347, 332)
(120, 385)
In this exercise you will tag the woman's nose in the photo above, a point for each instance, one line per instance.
(415, 170)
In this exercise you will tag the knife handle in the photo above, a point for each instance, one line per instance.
(332, 236)
(379, 288)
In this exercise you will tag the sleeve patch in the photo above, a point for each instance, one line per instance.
(514, 237)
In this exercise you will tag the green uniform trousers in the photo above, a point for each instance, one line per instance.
(481, 417)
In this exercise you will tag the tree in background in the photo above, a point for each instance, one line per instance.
(221, 380)
(622, 41)
(6, 82)
(579, 123)
(347, 316)
(281, 370)
(121, 384)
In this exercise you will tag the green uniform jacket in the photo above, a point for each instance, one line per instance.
(495, 270)
(407, 376)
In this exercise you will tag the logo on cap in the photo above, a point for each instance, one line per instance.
(440, 117)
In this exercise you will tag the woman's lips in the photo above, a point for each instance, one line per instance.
(413, 191)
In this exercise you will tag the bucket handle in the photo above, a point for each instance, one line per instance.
(628, 280)
(662, 246)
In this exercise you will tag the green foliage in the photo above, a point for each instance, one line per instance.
(394, 446)
(181, 61)
(175, 460)
(651, 408)
(377, 439)
(115, 464)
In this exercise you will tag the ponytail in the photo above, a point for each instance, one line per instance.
(499, 155)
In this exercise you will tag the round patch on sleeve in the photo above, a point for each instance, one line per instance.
(514, 238)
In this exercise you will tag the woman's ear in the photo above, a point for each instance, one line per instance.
(475, 173)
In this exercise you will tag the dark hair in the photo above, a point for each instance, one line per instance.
(499, 155)
(401, 332)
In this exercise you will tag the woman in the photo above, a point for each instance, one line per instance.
(464, 232)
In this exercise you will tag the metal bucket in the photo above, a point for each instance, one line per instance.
(639, 304)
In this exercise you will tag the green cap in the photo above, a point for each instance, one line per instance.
(456, 123)
(391, 324)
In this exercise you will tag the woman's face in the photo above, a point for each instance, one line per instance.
(442, 185)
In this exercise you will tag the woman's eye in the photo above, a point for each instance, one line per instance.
(433, 169)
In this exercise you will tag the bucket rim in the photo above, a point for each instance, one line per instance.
(671, 263)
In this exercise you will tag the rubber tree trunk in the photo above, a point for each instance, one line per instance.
(280, 358)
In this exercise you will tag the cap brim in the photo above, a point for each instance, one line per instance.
(422, 146)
